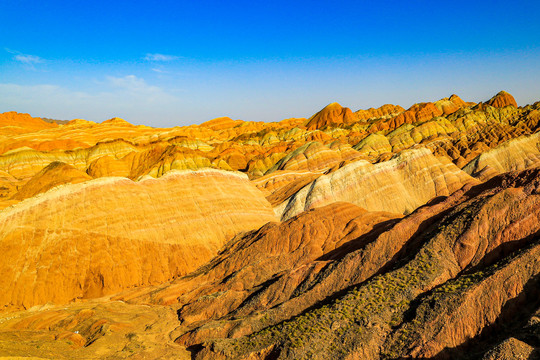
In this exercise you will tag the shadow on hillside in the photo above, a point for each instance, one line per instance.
(360, 242)
(512, 322)
(409, 249)
(502, 251)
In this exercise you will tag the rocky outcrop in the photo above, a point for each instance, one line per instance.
(416, 113)
(384, 111)
(16, 123)
(449, 127)
(314, 156)
(53, 175)
(374, 145)
(511, 349)
(221, 123)
(25, 163)
(254, 263)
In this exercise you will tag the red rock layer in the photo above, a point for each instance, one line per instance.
(332, 114)
(502, 99)
(456, 241)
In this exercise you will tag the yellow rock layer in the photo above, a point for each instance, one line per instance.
(516, 154)
(54, 174)
(105, 235)
(400, 185)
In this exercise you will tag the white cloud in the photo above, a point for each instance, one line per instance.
(160, 57)
(137, 88)
(25, 58)
(129, 82)
(28, 59)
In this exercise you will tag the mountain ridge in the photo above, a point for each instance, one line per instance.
(384, 233)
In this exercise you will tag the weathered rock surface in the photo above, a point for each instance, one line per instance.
(263, 268)
(502, 99)
(53, 175)
(15, 123)
(516, 154)
(449, 127)
(75, 332)
(387, 110)
(101, 236)
(332, 114)
(511, 349)
(446, 273)
(402, 236)
(400, 185)
(450, 105)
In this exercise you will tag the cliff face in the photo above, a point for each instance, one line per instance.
(384, 233)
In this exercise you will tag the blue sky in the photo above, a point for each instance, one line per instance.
(169, 63)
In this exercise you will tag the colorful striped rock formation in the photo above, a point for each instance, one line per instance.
(384, 233)
(98, 237)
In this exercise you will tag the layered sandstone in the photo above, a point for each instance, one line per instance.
(449, 127)
(384, 111)
(502, 99)
(257, 263)
(399, 185)
(332, 114)
(486, 273)
(15, 123)
(450, 105)
(399, 234)
(101, 236)
(53, 175)
(516, 154)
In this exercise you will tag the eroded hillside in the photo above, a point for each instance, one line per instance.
(373, 234)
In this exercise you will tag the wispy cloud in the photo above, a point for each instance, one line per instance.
(26, 59)
(134, 84)
(160, 57)
(128, 81)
